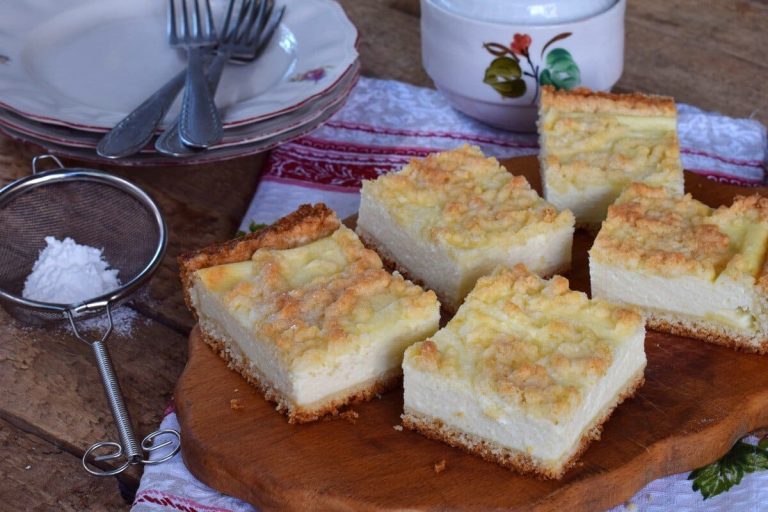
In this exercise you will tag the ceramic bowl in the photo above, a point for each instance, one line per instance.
(494, 71)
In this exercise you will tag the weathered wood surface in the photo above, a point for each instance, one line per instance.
(29, 461)
(707, 56)
(666, 428)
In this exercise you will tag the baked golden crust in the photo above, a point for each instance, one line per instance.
(650, 230)
(307, 224)
(463, 200)
(317, 301)
(528, 342)
(306, 298)
(585, 100)
(593, 145)
(702, 329)
(515, 459)
(298, 414)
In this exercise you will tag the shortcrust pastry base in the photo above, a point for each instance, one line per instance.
(447, 308)
(434, 428)
(332, 405)
(704, 330)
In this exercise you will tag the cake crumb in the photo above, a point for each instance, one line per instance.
(235, 404)
(350, 416)
(439, 467)
(399, 428)
(631, 506)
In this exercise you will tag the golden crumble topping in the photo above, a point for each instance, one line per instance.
(461, 199)
(592, 138)
(317, 300)
(648, 229)
(528, 341)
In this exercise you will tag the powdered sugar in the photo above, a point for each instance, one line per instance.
(124, 320)
(67, 273)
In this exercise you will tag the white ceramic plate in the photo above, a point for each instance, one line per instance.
(87, 63)
(240, 135)
(207, 156)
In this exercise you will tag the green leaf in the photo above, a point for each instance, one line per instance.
(545, 78)
(503, 67)
(720, 476)
(503, 74)
(561, 70)
(252, 227)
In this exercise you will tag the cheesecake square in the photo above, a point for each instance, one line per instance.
(526, 373)
(695, 271)
(594, 144)
(304, 312)
(447, 219)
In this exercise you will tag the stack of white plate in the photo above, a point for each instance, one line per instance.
(72, 69)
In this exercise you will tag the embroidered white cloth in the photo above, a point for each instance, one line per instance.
(382, 126)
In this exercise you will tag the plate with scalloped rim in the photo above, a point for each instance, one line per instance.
(85, 64)
(236, 136)
(208, 156)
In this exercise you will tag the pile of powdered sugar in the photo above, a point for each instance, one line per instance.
(68, 273)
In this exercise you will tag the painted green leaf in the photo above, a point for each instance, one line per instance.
(545, 78)
(561, 70)
(503, 74)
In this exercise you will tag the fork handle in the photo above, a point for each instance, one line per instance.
(169, 142)
(199, 122)
(131, 134)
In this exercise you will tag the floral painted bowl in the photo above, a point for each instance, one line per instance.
(493, 71)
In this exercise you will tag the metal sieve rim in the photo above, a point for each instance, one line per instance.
(22, 185)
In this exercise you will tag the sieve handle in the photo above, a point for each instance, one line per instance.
(130, 444)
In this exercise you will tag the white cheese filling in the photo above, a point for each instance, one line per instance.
(376, 354)
(453, 275)
(507, 425)
(589, 205)
(723, 300)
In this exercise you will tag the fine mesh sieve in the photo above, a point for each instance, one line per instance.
(100, 210)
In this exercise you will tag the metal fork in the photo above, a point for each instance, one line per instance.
(199, 117)
(134, 131)
(246, 42)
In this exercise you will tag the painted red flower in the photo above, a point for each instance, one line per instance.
(520, 44)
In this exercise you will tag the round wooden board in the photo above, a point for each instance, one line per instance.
(698, 399)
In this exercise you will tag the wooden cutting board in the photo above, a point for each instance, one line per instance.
(698, 399)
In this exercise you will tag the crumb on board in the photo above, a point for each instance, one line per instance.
(350, 416)
(399, 428)
(236, 405)
(439, 467)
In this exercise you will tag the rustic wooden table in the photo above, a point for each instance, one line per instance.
(52, 405)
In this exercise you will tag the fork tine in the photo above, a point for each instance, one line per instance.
(172, 37)
(210, 28)
(197, 22)
(225, 29)
(184, 33)
(266, 34)
(257, 17)
(255, 34)
(245, 10)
